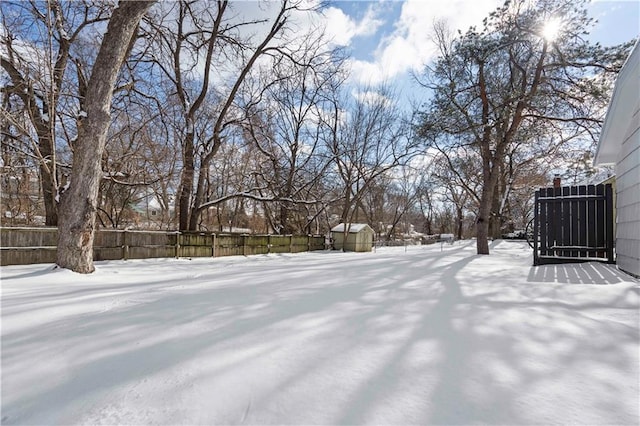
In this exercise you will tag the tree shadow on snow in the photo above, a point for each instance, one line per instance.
(396, 340)
(577, 273)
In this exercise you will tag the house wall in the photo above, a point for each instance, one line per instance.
(628, 199)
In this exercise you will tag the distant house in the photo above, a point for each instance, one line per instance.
(359, 237)
(620, 145)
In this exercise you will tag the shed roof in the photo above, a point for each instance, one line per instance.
(354, 228)
(624, 103)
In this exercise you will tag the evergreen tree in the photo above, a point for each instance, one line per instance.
(529, 71)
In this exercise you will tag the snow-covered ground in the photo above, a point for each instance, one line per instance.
(393, 337)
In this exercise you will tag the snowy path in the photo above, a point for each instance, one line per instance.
(393, 337)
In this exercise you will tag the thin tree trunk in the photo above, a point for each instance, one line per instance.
(495, 220)
(48, 180)
(186, 183)
(203, 179)
(482, 224)
(194, 215)
(77, 210)
(484, 210)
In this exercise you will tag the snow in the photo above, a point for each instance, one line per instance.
(391, 337)
(60, 191)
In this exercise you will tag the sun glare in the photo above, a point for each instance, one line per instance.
(551, 29)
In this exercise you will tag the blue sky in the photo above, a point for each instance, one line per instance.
(618, 21)
(389, 39)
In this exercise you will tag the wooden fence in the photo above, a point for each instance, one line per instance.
(22, 246)
(573, 224)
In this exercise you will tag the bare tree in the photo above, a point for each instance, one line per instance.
(459, 181)
(199, 43)
(20, 192)
(37, 45)
(136, 168)
(367, 144)
(391, 201)
(78, 203)
(284, 128)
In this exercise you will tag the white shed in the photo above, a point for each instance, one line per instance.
(620, 145)
(359, 237)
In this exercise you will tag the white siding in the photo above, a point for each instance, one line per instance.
(628, 199)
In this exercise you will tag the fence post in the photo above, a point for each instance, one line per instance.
(125, 245)
(177, 244)
(213, 245)
(608, 194)
(244, 245)
(536, 217)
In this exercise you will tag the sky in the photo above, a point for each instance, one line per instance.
(389, 39)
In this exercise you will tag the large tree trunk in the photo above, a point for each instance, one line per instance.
(77, 210)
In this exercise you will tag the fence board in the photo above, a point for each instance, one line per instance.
(256, 244)
(317, 243)
(150, 252)
(574, 223)
(229, 245)
(28, 255)
(106, 253)
(566, 219)
(582, 222)
(108, 238)
(29, 237)
(137, 238)
(544, 234)
(591, 221)
(195, 251)
(600, 216)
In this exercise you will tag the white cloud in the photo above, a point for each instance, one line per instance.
(410, 44)
(341, 28)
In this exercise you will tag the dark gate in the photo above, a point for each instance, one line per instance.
(573, 224)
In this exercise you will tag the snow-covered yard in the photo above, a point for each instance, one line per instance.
(393, 337)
